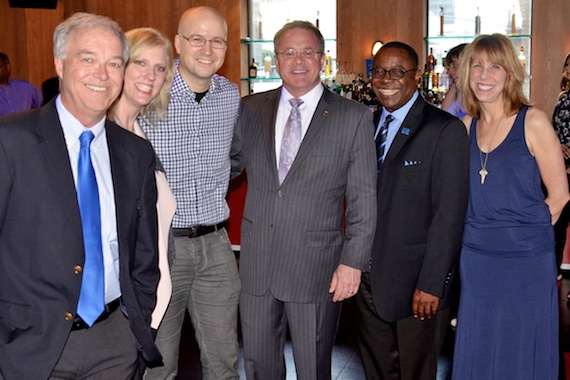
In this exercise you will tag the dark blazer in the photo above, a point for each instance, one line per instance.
(292, 234)
(422, 200)
(41, 243)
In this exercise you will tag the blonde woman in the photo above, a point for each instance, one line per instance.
(146, 91)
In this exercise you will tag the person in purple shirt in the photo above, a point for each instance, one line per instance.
(16, 95)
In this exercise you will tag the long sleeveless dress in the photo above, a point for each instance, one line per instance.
(508, 308)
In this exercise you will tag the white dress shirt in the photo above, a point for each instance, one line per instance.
(307, 109)
(72, 129)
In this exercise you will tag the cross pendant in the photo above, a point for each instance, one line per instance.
(483, 173)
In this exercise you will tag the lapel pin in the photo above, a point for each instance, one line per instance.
(326, 113)
(406, 131)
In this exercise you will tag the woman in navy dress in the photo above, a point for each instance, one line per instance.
(508, 309)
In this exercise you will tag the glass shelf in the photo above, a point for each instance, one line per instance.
(511, 36)
(248, 41)
(260, 79)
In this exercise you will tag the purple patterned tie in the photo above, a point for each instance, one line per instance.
(292, 137)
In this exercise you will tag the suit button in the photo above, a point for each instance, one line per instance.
(77, 269)
(68, 316)
(280, 194)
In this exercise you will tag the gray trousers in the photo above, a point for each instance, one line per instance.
(107, 350)
(205, 282)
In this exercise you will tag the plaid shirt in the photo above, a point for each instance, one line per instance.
(193, 143)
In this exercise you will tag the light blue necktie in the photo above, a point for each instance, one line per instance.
(292, 137)
(92, 297)
(381, 140)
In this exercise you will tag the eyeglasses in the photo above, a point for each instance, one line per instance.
(394, 73)
(307, 53)
(197, 41)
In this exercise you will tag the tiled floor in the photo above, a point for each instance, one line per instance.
(346, 360)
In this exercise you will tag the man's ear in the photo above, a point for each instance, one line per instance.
(58, 63)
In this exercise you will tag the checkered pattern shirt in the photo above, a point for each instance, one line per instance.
(193, 143)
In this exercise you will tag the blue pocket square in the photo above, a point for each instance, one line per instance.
(411, 163)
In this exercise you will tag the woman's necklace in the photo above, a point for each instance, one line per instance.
(483, 172)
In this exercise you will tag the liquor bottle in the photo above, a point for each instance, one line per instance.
(425, 76)
(260, 27)
(513, 22)
(317, 24)
(477, 23)
(328, 64)
(253, 69)
(522, 57)
(430, 61)
(441, 21)
(267, 65)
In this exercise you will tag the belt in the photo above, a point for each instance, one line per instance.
(110, 308)
(197, 230)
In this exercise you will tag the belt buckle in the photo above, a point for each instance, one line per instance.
(193, 231)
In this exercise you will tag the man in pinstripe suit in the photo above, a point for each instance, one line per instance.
(298, 261)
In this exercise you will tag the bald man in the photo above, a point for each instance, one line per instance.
(193, 143)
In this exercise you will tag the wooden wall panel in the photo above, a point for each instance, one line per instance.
(27, 33)
(27, 39)
(550, 44)
(164, 15)
(361, 23)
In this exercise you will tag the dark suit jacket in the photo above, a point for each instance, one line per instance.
(41, 240)
(292, 234)
(422, 200)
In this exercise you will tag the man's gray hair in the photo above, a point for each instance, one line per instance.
(82, 20)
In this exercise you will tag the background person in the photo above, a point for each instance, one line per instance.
(16, 95)
(452, 101)
(508, 298)
(561, 123)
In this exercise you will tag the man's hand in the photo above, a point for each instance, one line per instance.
(345, 282)
(424, 305)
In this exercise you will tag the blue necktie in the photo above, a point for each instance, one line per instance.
(292, 137)
(381, 140)
(92, 297)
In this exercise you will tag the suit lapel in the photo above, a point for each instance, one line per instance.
(408, 128)
(55, 155)
(318, 122)
(121, 160)
(268, 117)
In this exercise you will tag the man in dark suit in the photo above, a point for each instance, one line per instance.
(54, 321)
(423, 154)
(297, 261)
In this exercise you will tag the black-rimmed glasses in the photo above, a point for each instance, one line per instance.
(393, 73)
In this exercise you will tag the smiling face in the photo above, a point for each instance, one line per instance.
(487, 80)
(394, 93)
(300, 74)
(199, 64)
(91, 73)
(144, 76)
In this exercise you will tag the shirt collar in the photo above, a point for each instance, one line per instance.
(400, 113)
(73, 127)
(179, 85)
(311, 97)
